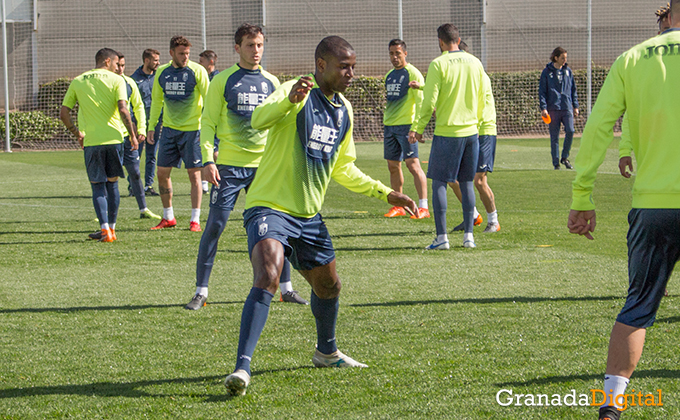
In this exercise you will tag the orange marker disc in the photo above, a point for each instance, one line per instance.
(546, 119)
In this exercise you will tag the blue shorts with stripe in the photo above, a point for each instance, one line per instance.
(233, 179)
(104, 162)
(487, 153)
(306, 242)
(177, 146)
(396, 143)
(453, 158)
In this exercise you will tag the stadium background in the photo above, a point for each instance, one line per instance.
(50, 41)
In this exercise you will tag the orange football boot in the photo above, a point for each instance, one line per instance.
(396, 211)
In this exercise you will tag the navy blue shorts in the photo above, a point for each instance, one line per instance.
(177, 146)
(306, 242)
(104, 162)
(487, 153)
(129, 156)
(453, 158)
(396, 143)
(653, 250)
(233, 179)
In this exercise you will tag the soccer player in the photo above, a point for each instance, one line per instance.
(309, 142)
(144, 76)
(455, 86)
(232, 97)
(644, 78)
(403, 84)
(103, 117)
(178, 91)
(487, 155)
(208, 59)
(131, 157)
(558, 99)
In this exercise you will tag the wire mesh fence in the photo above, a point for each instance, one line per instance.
(49, 42)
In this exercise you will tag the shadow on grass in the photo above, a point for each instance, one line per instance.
(56, 197)
(390, 234)
(516, 299)
(647, 373)
(669, 320)
(104, 308)
(72, 241)
(48, 232)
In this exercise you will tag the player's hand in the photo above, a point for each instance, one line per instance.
(582, 222)
(544, 113)
(414, 137)
(211, 174)
(626, 166)
(81, 138)
(413, 84)
(141, 138)
(576, 112)
(149, 136)
(402, 200)
(301, 89)
(134, 145)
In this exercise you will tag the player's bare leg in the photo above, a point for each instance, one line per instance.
(196, 196)
(420, 181)
(487, 197)
(397, 184)
(165, 190)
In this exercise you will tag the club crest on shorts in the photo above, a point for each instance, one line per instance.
(213, 196)
(262, 229)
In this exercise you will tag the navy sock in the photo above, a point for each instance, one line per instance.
(439, 205)
(326, 313)
(135, 180)
(99, 200)
(217, 220)
(113, 198)
(467, 191)
(285, 272)
(253, 318)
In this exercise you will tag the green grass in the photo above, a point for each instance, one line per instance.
(90, 330)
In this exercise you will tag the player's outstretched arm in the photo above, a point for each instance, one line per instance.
(582, 222)
(396, 198)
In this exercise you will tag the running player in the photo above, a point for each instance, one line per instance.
(232, 97)
(310, 142)
(403, 84)
(455, 87)
(103, 116)
(178, 91)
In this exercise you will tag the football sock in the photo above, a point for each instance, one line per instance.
(135, 180)
(105, 226)
(286, 287)
(101, 206)
(326, 313)
(113, 226)
(439, 205)
(202, 291)
(196, 215)
(285, 273)
(253, 318)
(467, 191)
(468, 236)
(492, 217)
(476, 213)
(207, 249)
(113, 198)
(422, 203)
(168, 214)
(613, 386)
(143, 210)
(442, 238)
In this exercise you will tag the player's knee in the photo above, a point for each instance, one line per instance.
(329, 289)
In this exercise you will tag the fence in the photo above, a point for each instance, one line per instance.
(50, 41)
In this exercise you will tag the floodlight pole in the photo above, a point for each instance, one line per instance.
(5, 74)
(401, 20)
(263, 62)
(590, 57)
(203, 24)
(482, 33)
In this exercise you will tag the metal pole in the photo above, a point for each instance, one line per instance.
(34, 52)
(482, 33)
(401, 21)
(203, 31)
(263, 62)
(8, 149)
(590, 56)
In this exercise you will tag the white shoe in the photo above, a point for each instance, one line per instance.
(438, 245)
(335, 359)
(469, 244)
(237, 383)
(492, 227)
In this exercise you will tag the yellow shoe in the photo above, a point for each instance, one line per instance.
(396, 212)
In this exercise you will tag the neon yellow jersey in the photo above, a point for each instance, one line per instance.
(625, 145)
(308, 144)
(179, 93)
(403, 102)
(232, 98)
(97, 93)
(455, 88)
(487, 125)
(135, 99)
(644, 82)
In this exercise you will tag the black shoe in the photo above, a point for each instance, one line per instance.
(609, 413)
(566, 163)
(150, 192)
(95, 235)
(197, 302)
(557, 167)
(293, 297)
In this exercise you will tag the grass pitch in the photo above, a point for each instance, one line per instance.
(90, 330)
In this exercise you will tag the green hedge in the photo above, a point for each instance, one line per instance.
(32, 126)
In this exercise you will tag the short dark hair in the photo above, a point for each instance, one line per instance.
(149, 53)
(463, 46)
(120, 55)
(397, 42)
(556, 53)
(247, 30)
(179, 40)
(103, 54)
(448, 33)
(209, 55)
(332, 46)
